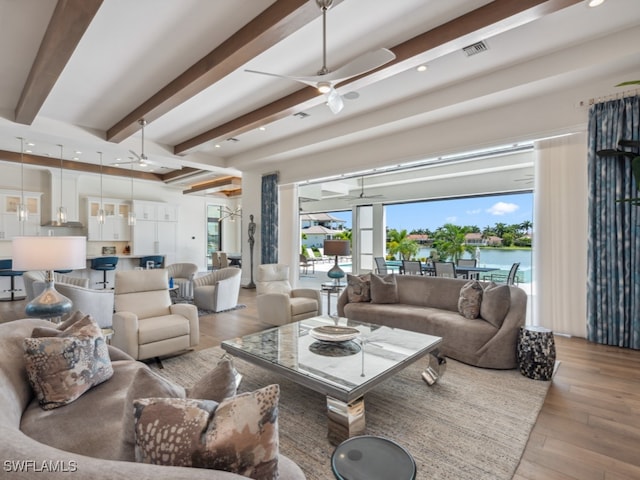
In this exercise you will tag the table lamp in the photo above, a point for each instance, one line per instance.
(337, 248)
(49, 254)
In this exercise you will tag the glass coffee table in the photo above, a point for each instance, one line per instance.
(343, 371)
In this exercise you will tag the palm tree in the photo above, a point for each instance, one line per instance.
(450, 243)
(398, 242)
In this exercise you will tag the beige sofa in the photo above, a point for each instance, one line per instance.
(92, 436)
(429, 305)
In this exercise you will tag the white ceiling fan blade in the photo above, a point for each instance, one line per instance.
(362, 64)
(135, 155)
(334, 100)
(304, 80)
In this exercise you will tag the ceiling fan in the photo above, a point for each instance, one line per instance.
(142, 160)
(362, 196)
(326, 80)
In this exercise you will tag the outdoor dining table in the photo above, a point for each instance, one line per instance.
(430, 269)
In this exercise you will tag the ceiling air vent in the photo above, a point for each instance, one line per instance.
(475, 49)
(232, 139)
(301, 115)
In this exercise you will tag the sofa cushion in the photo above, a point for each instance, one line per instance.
(359, 288)
(470, 299)
(302, 305)
(160, 328)
(217, 384)
(100, 423)
(496, 300)
(65, 365)
(384, 289)
(239, 435)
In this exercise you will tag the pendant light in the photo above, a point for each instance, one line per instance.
(131, 218)
(62, 211)
(22, 211)
(101, 215)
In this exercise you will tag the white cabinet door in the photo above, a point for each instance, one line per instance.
(144, 237)
(167, 240)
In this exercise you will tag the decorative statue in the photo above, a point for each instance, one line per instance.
(252, 241)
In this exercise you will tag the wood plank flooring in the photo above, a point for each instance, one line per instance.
(589, 426)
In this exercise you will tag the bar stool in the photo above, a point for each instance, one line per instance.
(152, 261)
(6, 267)
(104, 264)
(536, 352)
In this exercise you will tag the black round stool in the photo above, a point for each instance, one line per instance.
(152, 261)
(6, 270)
(104, 264)
(536, 352)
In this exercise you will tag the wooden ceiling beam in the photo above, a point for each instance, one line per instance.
(278, 21)
(217, 183)
(37, 160)
(492, 19)
(69, 21)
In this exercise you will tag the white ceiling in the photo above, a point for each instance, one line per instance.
(132, 49)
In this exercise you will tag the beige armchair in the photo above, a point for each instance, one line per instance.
(145, 323)
(97, 303)
(183, 274)
(218, 290)
(277, 302)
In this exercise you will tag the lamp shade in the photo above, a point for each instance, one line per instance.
(49, 253)
(336, 247)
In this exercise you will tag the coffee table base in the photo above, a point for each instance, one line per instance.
(345, 420)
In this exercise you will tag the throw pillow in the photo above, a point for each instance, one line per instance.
(61, 368)
(496, 300)
(384, 289)
(470, 299)
(217, 384)
(239, 435)
(55, 330)
(358, 288)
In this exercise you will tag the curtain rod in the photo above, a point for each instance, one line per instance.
(615, 96)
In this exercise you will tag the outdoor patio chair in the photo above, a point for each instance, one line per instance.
(468, 262)
(510, 279)
(412, 267)
(305, 263)
(445, 269)
(381, 266)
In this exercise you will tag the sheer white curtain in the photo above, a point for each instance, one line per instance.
(560, 235)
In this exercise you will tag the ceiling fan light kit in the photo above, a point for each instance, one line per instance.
(325, 80)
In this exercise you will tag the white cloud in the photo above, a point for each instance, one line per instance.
(451, 219)
(474, 212)
(502, 208)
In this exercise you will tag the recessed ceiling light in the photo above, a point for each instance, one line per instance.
(262, 129)
(421, 68)
(595, 3)
(77, 152)
(351, 95)
(217, 145)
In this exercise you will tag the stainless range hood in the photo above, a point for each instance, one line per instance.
(70, 224)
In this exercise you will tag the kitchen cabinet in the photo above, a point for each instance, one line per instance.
(156, 229)
(115, 226)
(9, 225)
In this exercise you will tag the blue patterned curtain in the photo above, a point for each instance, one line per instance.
(613, 289)
(269, 227)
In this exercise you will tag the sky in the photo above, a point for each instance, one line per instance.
(480, 211)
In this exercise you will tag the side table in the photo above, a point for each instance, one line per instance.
(536, 352)
(332, 287)
(372, 458)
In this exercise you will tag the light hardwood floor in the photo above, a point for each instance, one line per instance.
(589, 426)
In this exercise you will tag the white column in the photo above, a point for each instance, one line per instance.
(289, 230)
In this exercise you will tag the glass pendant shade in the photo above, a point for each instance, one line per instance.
(101, 215)
(62, 215)
(131, 219)
(23, 212)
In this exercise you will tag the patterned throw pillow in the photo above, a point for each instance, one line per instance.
(384, 289)
(61, 368)
(496, 300)
(470, 299)
(239, 436)
(358, 288)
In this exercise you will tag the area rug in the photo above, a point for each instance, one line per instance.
(472, 425)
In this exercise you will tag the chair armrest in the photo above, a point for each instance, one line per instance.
(125, 332)
(274, 308)
(307, 292)
(116, 354)
(191, 313)
(343, 299)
